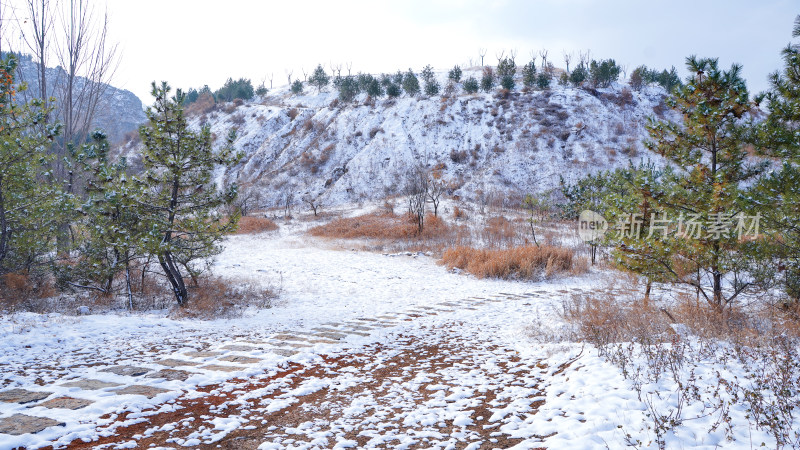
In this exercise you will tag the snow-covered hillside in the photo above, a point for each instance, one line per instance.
(313, 145)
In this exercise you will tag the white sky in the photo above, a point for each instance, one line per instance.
(190, 43)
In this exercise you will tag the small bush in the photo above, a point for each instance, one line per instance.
(528, 263)
(216, 297)
(292, 113)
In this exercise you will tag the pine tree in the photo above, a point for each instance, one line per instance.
(427, 74)
(30, 209)
(114, 220)
(319, 78)
(603, 73)
(348, 89)
(712, 175)
(487, 80)
(432, 88)
(778, 193)
(183, 201)
(471, 85)
(454, 74)
(578, 75)
(543, 81)
(529, 75)
(297, 87)
(410, 83)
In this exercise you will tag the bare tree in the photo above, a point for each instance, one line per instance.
(349, 67)
(312, 202)
(288, 75)
(305, 74)
(513, 55)
(482, 53)
(38, 39)
(500, 56)
(585, 58)
(288, 200)
(271, 75)
(471, 62)
(416, 190)
(84, 52)
(436, 188)
(543, 54)
(624, 69)
(567, 59)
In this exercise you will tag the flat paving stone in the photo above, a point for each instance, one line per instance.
(66, 403)
(288, 337)
(22, 424)
(131, 371)
(357, 333)
(358, 327)
(322, 341)
(291, 344)
(202, 354)
(22, 396)
(330, 335)
(221, 368)
(240, 348)
(367, 319)
(136, 389)
(90, 384)
(240, 359)
(283, 351)
(170, 362)
(171, 374)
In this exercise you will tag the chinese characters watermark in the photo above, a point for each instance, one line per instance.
(715, 226)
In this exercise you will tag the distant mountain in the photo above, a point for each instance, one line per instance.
(119, 111)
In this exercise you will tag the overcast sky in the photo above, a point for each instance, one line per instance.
(190, 43)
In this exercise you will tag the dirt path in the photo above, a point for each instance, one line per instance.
(436, 387)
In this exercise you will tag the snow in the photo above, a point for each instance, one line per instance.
(355, 152)
(420, 381)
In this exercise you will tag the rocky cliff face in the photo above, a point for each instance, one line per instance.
(119, 111)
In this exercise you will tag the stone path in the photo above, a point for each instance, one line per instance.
(228, 357)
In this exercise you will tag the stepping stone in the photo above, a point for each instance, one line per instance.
(171, 374)
(330, 335)
(22, 396)
(240, 359)
(386, 317)
(321, 341)
(283, 351)
(136, 389)
(66, 403)
(90, 384)
(21, 424)
(358, 333)
(366, 319)
(131, 371)
(288, 337)
(327, 330)
(221, 368)
(358, 327)
(239, 348)
(176, 363)
(291, 344)
(203, 354)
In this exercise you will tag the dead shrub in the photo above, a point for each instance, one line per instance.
(22, 291)
(527, 263)
(382, 225)
(238, 119)
(215, 297)
(459, 214)
(292, 113)
(499, 232)
(253, 225)
(376, 225)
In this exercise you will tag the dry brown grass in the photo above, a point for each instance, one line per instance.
(20, 291)
(216, 297)
(499, 232)
(529, 262)
(380, 225)
(253, 225)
